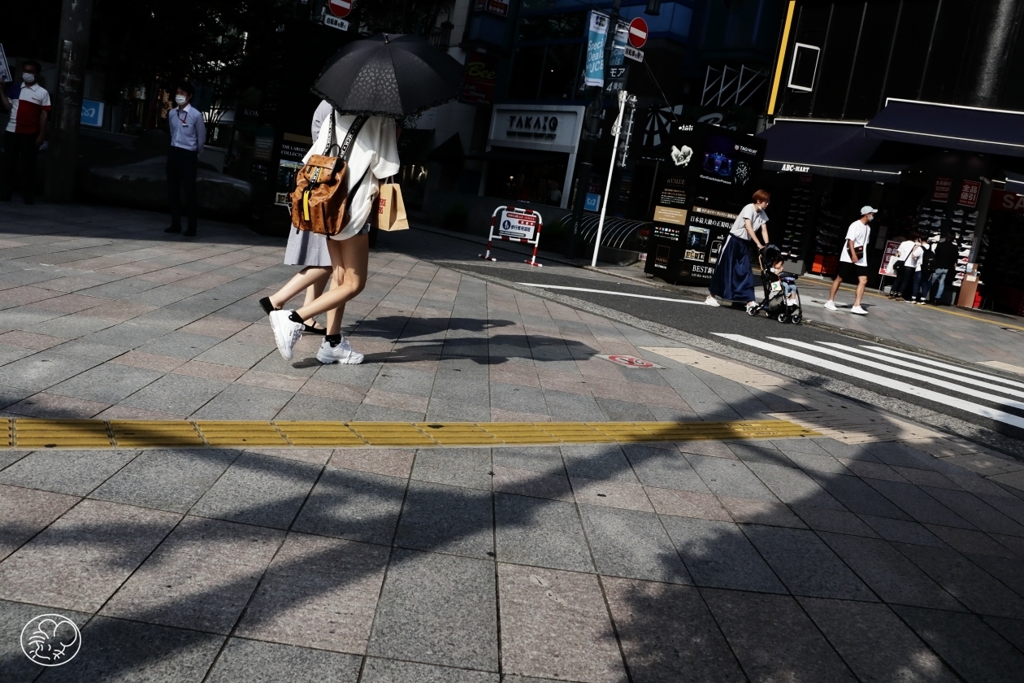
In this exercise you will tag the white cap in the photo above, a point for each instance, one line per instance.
(866, 209)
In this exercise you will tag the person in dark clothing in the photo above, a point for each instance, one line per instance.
(188, 135)
(945, 262)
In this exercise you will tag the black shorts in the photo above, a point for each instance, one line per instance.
(849, 272)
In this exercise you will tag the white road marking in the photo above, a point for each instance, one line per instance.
(603, 291)
(938, 364)
(916, 366)
(906, 374)
(881, 380)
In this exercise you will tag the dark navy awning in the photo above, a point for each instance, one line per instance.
(830, 148)
(973, 129)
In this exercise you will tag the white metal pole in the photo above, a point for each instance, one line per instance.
(611, 169)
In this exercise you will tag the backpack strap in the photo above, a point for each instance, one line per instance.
(350, 137)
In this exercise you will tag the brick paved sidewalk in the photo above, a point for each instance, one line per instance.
(878, 551)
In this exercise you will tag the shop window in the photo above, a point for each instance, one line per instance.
(552, 27)
(561, 67)
(526, 73)
(803, 67)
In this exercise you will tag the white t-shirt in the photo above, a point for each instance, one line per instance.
(914, 259)
(374, 153)
(860, 233)
(756, 217)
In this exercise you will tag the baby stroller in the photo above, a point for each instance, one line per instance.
(774, 303)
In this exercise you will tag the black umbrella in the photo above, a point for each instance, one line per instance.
(389, 75)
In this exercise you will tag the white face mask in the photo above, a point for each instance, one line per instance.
(180, 99)
(28, 78)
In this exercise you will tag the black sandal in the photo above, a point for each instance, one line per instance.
(312, 329)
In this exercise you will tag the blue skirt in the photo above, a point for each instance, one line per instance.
(733, 280)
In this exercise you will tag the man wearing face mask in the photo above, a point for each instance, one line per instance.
(853, 260)
(29, 104)
(188, 135)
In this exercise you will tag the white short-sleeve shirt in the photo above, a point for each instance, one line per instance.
(757, 218)
(374, 154)
(860, 233)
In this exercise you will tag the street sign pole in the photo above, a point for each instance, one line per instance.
(616, 129)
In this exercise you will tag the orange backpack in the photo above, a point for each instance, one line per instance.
(320, 197)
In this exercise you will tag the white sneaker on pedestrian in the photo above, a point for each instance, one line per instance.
(286, 332)
(710, 301)
(857, 310)
(340, 353)
(830, 305)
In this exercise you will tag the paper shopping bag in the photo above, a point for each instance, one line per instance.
(391, 209)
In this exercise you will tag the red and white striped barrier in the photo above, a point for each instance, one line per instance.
(515, 225)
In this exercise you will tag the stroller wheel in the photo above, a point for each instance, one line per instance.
(753, 310)
(796, 317)
(782, 317)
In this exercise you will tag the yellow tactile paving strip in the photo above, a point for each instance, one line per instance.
(31, 433)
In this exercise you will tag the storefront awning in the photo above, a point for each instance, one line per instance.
(945, 125)
(1015, 183)
(828, 148)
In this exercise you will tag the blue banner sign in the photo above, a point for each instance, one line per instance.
(593, 74)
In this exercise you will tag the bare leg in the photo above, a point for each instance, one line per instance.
(835, 288)
(312, 292)
(300, 281)
(351, 259)
(862, 283)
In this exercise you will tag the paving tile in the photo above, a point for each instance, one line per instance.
(200, 577)
(752, 624)
(259, 489)
(971, 585)
(967, 541)
(9, 457)
(875, 643)
(794, 487)
(872, 470)
(545, 459)
(839, 521)
(687, 504)
(730, 478)
(176, 394)
(389, 462)
(746, 511)
(554, 624)
(166, 479)
(806, 565)
(598, 461)
(610, 494)
(354, 505)
(664, 468)
(26, 512)
(13, 618)
(1011, 629)
(47, 405)
(631, 544)
(966, 643)
(466, 467)
(667, 630)
(181, 344)
(919, 504)
(438, 609)
(119, 651)
(93, 547)
(718, 554)
(106, 384)
(148, 361)
(447, 519)
(318, 592)
(196, 368)
(858, 497)
(976, 511)
(894, 578)
(540, 532)
(903, 531)
(532, 483)
(392, 671)
(75, 473)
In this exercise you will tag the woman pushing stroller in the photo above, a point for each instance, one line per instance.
(733, 279)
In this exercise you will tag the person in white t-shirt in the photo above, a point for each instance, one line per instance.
(732, 279)
(913, 263)
(903, 275)
(853, 260)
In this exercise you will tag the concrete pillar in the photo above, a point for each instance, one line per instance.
(997, 28)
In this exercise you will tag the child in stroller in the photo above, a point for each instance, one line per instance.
(781, 296)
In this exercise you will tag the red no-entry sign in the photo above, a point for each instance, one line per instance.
(341, 8)
(638, 33)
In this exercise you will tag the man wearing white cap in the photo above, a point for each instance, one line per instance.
(853, 261)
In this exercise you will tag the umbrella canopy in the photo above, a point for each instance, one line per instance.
(389, 75)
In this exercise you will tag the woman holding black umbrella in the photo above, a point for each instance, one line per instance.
(375, 81)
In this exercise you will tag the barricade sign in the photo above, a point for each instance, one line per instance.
(510, 224)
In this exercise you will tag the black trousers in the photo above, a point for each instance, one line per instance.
(181, 179)
(20, 153)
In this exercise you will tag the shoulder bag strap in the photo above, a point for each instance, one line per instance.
(350, 138)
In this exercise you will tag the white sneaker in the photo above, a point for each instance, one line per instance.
(791, 302)
(286, 332)
(857, 310)
(830, 305)
(710, 301)
(342, 353)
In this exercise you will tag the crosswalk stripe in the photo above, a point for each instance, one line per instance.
(935, 371)
(612, 293)
(939, 364)
(881, 380)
